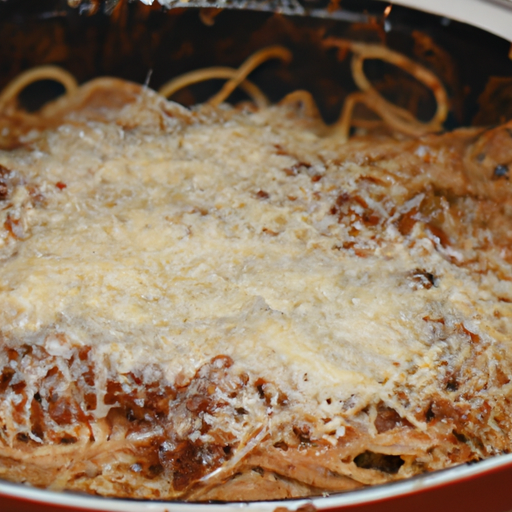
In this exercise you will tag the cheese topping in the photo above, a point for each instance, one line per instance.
(242, 235)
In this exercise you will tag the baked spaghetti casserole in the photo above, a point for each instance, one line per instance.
(232, 303)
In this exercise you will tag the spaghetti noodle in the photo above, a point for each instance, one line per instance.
(396, 118)
(214, 73)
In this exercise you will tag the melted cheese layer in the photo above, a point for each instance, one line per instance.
(167, 247)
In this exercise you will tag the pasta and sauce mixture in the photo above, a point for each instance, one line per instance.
(243, 303)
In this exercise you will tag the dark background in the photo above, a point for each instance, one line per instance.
(134, 40)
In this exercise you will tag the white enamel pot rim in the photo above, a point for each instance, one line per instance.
(494, 16)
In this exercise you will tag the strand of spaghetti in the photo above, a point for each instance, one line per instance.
(342, 126)
(399, 118)
(346, 120)
(98, 93)
(305, 98)
(421, 74)
(255, 60)
(390, 114)
(201, 75)
(12, 90)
